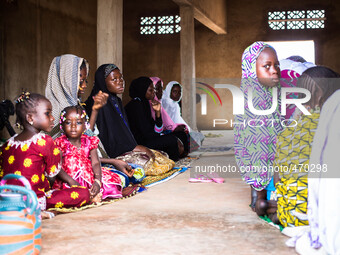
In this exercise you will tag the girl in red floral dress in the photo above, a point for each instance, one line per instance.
(80, 158)
(35, 156)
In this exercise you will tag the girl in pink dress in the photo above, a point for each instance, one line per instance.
(80, 158)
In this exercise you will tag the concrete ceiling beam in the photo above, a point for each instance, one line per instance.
(216, 23)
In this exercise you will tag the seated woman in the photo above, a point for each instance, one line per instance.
(67, 81)
(294, 148)
(114, 130)
(168, 124)
(170, 101)
(148, 131)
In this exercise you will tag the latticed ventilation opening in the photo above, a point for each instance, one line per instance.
(160, 25)
(303, 19)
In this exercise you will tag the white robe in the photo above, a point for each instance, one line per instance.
(324, 186)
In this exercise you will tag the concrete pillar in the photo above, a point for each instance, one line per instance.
(110, 32)
(188, 73)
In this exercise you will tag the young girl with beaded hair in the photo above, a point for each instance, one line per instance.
(35, 156)
(80, 158)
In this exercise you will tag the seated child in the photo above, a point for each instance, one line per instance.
(80, 157)
(35, 156)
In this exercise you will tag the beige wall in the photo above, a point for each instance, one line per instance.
(149, 55)
(33, 32)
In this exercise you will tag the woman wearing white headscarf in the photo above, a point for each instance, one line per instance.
(170, 102)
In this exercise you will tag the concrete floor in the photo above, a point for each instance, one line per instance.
(176, 217)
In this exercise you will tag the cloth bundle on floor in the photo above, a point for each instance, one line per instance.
(160, 165)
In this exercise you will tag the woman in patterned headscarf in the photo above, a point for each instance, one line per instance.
(66, 80)
(255, 144)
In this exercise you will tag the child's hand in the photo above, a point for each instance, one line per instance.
(73, 183)
(129, 171)
(99, 100)
(124, 167)
(63, 176)
(94, 189)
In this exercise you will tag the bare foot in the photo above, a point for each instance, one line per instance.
(274, 218)
(97, 198)
(47, 215)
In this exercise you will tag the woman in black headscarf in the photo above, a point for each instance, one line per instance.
(114, 130)
(146, 130)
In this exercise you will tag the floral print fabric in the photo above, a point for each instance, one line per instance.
(77, 163)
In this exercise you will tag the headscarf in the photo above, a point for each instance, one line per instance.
(290, 71)
(108, 69)
(138, 87)
(171, 106)
(137, 91)
(99, 84)
(168, 123)
(112, 123)
(155, 80)
(299, 67)
(255, 146)
(63, 83)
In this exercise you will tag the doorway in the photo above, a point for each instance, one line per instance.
(286, 49)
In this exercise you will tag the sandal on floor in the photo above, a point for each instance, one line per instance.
(200, 178)
(130, 190)
(215, 177)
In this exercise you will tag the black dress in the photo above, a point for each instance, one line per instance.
(112, 123)
(143, 125)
